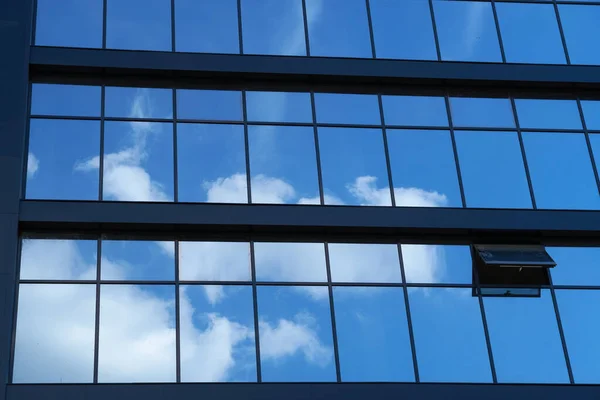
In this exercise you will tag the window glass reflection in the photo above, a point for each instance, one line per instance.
(138, 161)
(138, 24)
(223, 105)
(525, 340)
(338, 28)
(214, 261)
(211, 163)
(63, 160)
(449, 337)
(497, 181)
(139, 103)
(290, 262)
(423, 168)
(425, 263)
(580, 26)
(530, 33)
(283, 163)
(354, 167)
(296, 341)
(595, 144)
(479, 112)
(347, 109)
(137, 260)
(372, 335)
(591, 113)
(548, 114)
(575, 265)
(68, 100)
(206, 26)
(54, 340)
(364, 263)
(415, 111)
(278, 107)
(137, 334)
(561, 171)
(467, 31)
(401, 19)
(58, 259)
(69, 23)
(217, 338)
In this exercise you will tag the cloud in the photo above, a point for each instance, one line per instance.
(32, 165)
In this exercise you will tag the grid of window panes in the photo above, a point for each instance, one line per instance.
(225, 146)
(126, 310)
(534, 31)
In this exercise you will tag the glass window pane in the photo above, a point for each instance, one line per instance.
(415, 111)
(217, 339)
(70, 100)
(290, 262)
(548, 114)
(296, 341)
(69, 23)
(449, 337)
(492, 181)
(575, 265)
(138, 24)
(595, 144)
(278, 107)
(211, 163)
(140, 103)
(479, 112)
(283, 164)
(402, 19)
(423, 168)
(561, 171)
(364, 263)
(206, 26)
(530, 33)
(372, 335)
(353, 166)
(54, 340)
(578, 313)
(138, 161)
(273, 27)
(467, 31)
(347, 109)
(580, 26)
(591, 113)
(338, 28)
(58, 259)
(525, 340)
(137, 334)
(59, 154)
(214, 261)
(137, 260)
(425, 263)
(223, 105)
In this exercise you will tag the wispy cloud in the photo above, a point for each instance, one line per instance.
(33, 165)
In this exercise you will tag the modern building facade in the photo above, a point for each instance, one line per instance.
(272, 199)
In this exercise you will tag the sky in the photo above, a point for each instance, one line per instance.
(217, 325)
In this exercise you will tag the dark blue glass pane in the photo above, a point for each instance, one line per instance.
(209, 105)
(575, 265)
(591, 113)
(347, 109)
(415, 111)
(137, 260)
(481, 113)
(278, 107)
(69, 23)
(548, 114)
(68, 100)
(581, 28)
(138, 103)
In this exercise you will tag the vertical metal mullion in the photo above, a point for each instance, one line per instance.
(101, 158)
(562, 33)
(589, 144)
(435, 32)
(336, 354)
(498, 32)
(240, 36)
(371, 34)
(256, 319)
(305, 18)
(411, 335)
(522, 144)
(387, 151)
(97, 316)
(317, 148)
(177, 317)
(455, 150)
(27, 136)
(560, 330)
(104, 24)
(175, 158)
(247, 148)
(34, 22)
(173, 45)
(15, 311)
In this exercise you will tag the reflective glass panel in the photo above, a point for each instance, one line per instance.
(217, 339)
(214, 261)
(591, 112)
(278, 107)
(290, 262)
(69, 100)
(424, 263)
(140, 103)
(138, 24)
(479, 112)
(347, 109)
(69, 23)
(138, 161)
(59, 154)
(58, 259)
(561, 171)
(548, 114)
(423, 168)
(530, 33)
(137, 260)
(353, 166)
(211, 163)
(54, 341)
(580, 26)
(525, 340)
(364, 263)
(338, 28)
(137, 334)
(595, 144)
(575, 265)
(467, 31)
(449, 337)
(491, 165)
(372, 335)
(402, 19)
(223, 105)
(415, 111)
(296, 341)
